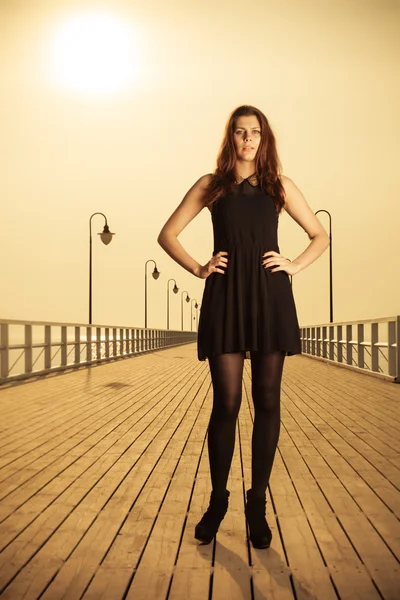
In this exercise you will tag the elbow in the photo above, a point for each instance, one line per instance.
(163, 238)
(161, 242)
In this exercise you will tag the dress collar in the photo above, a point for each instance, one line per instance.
(252, 179)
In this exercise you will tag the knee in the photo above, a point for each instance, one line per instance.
(227, 407)
(266, 399)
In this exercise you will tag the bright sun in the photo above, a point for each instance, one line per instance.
(94, 53)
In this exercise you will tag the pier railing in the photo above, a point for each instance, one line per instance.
(370, 345)
(31, 348)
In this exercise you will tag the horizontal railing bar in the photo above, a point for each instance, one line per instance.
(110, 340)
(69, 324)
(56, 324)
(353, 342)
(363, 321)
(42, 345)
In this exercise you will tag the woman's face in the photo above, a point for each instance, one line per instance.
(247, 137)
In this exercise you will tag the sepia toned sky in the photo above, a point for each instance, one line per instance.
(126, 121)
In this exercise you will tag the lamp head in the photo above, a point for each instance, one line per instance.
(175, 289)
(156, 273)
(187, 297)
(106, 235)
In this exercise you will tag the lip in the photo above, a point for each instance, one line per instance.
(248, 148)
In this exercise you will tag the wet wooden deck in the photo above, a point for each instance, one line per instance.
(104, 474)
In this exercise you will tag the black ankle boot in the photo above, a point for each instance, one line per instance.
(207, 527)
(260, 533)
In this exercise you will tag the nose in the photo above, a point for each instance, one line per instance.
(247, 138)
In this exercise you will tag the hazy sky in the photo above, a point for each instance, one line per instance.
(126, 121)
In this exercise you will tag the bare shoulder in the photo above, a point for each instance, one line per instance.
(288, 185)
(199, 187)
(202, 183)
(205, 179)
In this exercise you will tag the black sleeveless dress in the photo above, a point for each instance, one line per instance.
(247, 308)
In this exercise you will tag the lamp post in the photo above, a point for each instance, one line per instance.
(191, 312)
(197, 317)
(156, 275)
(106, 237)
(175, 289)
(330, 266)
(187, 300)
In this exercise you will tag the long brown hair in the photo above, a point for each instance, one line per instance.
(268, 165)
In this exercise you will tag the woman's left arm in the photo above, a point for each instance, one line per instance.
(297, 207)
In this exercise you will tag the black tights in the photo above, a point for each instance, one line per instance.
(226, 374)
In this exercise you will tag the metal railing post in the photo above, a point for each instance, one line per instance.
(107, 342)
(28, 349)
(64, 348)
(4, 356)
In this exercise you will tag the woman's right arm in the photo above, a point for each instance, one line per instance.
(191, 205)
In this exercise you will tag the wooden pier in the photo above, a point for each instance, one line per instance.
(104, 474)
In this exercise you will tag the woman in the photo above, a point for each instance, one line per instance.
(247, 306)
